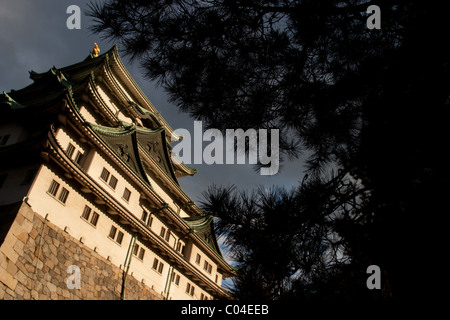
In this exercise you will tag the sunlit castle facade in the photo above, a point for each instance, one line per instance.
(87, 180)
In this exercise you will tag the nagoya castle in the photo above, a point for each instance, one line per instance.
(90, 203)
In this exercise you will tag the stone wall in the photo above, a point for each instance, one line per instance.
(34, 260)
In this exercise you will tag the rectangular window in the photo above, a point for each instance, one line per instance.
(155, 264)
(126, 194)
(160, 267)
(198, 259)
(190, 289)
(105, 175)
(113, 182)
(135, 249)
(63, 195)
(141, 253)
(180, 248)
(70, 150)
(144, 215)
(167, 237)
(53, 189)
(217, 278)
(176, 278)
(86, 213)
(78, 157)
(112, 232)
(150, 221)
(207, 267)
(94, 219)
(163, 232)
(119, 237)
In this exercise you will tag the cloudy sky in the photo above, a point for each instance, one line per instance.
(34, 36)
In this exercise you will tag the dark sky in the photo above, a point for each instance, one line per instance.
(34, 36)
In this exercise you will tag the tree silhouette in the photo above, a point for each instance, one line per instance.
(371, 103)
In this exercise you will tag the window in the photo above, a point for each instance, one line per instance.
(163, 232)
(63, 195)
(203, 296)
(141, 253)
(144, 215)
(158, 266)
(176, 278)
(138, 251)
(94, 219)
(78, 157)
(54, 186)
(53, 191)
(167, 237)
(217, 278)
(70, 150)
(119, 237)
(207, 267)
(190, 289)
(4, 139)
(180, 248)
(155, 264)
(198, 259)
(113, 182)
(126, 194)
(86, 214)
(112, 235)
(105, 175)
(112, 232)
(150, 221)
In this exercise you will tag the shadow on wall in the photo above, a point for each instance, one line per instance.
(8, 214)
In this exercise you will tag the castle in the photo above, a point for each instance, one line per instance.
(90, 204)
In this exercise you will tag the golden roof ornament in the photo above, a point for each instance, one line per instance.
(95, 50)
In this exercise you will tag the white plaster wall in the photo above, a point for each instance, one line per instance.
(163, 195)
(192, 260)
(112, 104)
(95, 169)
(178, 292)
(64, 139)
(87, 115)
(68, 217)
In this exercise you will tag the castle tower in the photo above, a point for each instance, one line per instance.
(90, 204)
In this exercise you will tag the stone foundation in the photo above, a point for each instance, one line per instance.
(34, 260)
